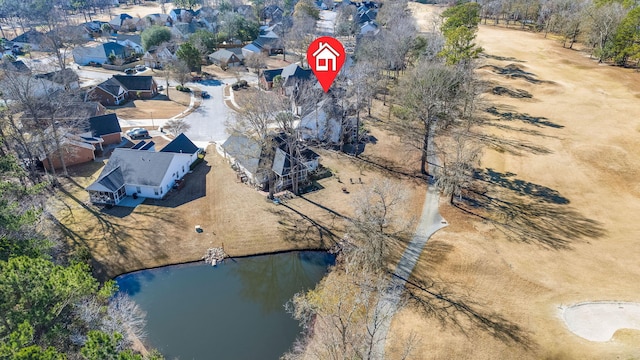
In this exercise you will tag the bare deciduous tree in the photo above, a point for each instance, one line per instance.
(177, 126)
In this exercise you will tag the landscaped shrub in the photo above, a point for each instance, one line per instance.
(243, 83)
(235, 87)
(183, 88)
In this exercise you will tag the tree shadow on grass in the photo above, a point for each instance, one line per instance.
(520, 187)
(299, 228)
(533, 120)
(501, 58)
(511, 146)
(515, 71)
(436, 299)
(529, 213)
(121, 241)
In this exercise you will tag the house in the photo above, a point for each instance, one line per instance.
(67, 78)
(257, 163)
(158, 58)
(74, 151)
(15, 66)
(105, 127)
(133, 42)
(94, 28)
(249, 49)
(159, 19)
(83, 147)
(271, 14)
(323, 123)
(269, 45)
(98, 53)
(117, 22)
(287, 168)
(182, 145)
(182, 15)
(326, 57)
(365, 15)
(31, 38)
(246, 155)
(229, 57)
(267, 77)
(184, 30)
(370, 28)
(294, 76)
(120, 88)
(138, 172)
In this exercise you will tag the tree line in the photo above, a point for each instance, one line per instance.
(51, 307)
(609, 28)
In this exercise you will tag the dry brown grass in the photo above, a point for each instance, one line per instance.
(592, 161)
(158, 108)
(161, 232)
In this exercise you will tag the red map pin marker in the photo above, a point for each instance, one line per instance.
(325, 56)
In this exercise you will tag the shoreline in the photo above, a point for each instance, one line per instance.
(202, 260)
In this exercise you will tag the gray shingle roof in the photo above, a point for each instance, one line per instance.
(111, 85)
(108, 181)
(181, 145)
(135, 83)
(140, 167)
(245, 150)
(104, 124)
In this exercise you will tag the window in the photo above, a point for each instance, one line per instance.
(155, 191)
(138, 190)
(183, 169)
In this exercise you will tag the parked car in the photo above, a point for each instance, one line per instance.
(140, 68)
(138, 133)
(130, 71)
(205, 95)
(160, 87)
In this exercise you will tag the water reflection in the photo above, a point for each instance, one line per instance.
(264, 281)
(192, 309)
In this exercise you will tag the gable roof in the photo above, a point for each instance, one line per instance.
(265, 42)
(136, 39)
(245, 150)
(109, 182)
(224, 55)
(17, 66)
(104, 125)
(282, 160)
(119, 19)
(111, 86)
(135, 83)
(181, 145)
(139, 167)
(60, 77)
(294, 72)
(270, 74)
(29, 37)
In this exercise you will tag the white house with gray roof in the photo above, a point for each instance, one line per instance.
(141, 172)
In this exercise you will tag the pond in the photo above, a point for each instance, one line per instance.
(232, 311)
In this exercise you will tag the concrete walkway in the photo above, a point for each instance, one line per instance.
(430, 222)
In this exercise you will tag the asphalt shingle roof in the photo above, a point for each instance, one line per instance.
(104, 124)
(110, 181)
(135, 83)
(181, 145)
(146, 168)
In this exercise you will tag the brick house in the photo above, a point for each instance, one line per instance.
(122, 88)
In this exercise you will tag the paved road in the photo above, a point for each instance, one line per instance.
(208, 121)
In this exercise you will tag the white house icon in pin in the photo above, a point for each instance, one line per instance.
(323, 56)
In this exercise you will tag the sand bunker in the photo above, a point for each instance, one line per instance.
(598, 321)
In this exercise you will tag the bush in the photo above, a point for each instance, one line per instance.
(183, 88)
(235, 87)
(243, 83)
